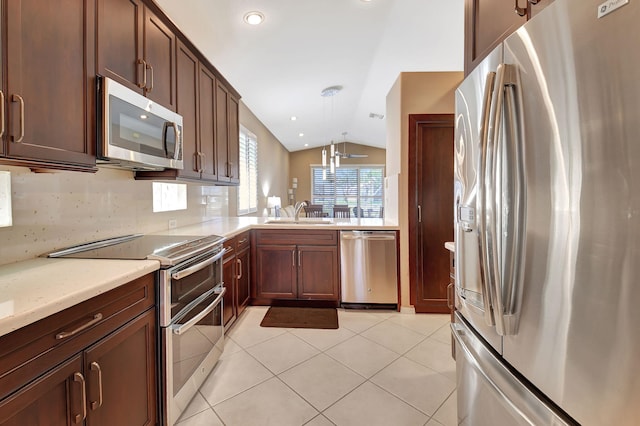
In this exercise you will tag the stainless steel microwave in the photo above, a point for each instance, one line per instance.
(136, 133)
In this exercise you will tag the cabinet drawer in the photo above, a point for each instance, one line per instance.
(230, 247)
(30, 351)
(243, 241)
(306, 237)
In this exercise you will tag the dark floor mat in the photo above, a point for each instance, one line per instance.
(291, 317)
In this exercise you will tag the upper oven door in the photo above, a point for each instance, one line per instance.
(138, 130)
(186, 283)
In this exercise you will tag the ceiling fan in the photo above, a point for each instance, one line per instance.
(344, 154)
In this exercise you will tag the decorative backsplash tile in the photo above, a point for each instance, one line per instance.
(59, 209)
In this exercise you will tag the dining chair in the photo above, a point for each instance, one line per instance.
(314, 210)
(341, 211)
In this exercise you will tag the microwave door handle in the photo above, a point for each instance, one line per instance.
(176, 135)
(178, 145)
(183, 328)
(197, 267)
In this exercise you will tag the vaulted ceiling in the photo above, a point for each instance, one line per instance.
(281, 66)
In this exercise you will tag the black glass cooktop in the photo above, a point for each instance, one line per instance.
(168, 249)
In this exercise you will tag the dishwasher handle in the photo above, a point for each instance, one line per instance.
(371, 235)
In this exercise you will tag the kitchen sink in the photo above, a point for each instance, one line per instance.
(301, 221)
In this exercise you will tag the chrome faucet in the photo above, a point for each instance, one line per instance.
(299, 205)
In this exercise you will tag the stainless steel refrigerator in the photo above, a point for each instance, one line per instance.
(547, 222)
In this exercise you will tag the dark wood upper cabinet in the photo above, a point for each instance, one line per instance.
(233, 150)
(137, 49)
(187, 106)
(486, 24)
(222, 132)
(50, 96)
(207, 123)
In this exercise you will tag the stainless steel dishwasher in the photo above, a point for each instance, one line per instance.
(369, 269)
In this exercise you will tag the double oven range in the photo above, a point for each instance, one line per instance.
(190, 297)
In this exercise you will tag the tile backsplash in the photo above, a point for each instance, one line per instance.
(58, 209)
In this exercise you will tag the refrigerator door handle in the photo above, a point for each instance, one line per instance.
(491, 200)
(505, 200)
(513, 256)
(484, 134)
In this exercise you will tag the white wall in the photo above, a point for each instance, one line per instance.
(412, 93)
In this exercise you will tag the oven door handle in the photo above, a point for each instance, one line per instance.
(183, 328)
(197, 267)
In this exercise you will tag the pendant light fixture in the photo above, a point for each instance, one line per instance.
(334, 160)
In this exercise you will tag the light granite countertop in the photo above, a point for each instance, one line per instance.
(450, 245)
(34, 289)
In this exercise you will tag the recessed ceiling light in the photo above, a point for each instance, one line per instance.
(253, 18)
(301, 134)
(294, 118)
(306, 144)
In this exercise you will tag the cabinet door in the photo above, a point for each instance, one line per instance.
(50, 84)
(121, 375)
(53, 399)
(243, 287)
(487, 23)
(233, 144)
(117, 56)
(160, 59)
(318, 272)
(187, 106)
(276, 272)
(229, 277)
(222, 132)
(206, 121)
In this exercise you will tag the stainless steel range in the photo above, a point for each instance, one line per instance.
(190, 298)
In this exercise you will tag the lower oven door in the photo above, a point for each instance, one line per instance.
(192, 344)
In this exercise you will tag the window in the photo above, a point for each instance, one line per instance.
(360, 187)
(248, 189)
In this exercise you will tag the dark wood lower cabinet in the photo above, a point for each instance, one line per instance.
(431, 209)
(228, 305)
(102, 371)
(243, 287)
(296, 266)
(53, 399)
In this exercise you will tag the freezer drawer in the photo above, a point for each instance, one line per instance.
(368, 267)
(489, 394)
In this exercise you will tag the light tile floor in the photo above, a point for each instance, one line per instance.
(378, 368)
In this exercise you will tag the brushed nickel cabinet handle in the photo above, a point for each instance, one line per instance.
(239, 263)
(144, 73)
(2, 129)
(521, 11)
(79, 378)
(63, 335)
(299, 258)
(18, 98)
(293, 258)
(97, 404)
(203, 159)
(242, 241)
(150, 68)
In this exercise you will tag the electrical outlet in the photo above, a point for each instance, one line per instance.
(173, 223)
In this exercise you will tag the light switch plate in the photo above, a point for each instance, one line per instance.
(5, 199)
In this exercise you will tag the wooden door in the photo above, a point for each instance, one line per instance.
(50, 80)
(276, 272)
(233, 143)
(160, 59)
(431, 209)
(53, 399)
(121, 375)
(229, 277)
(187, 66)
(243, 281)
(222, 132)
(120, 42)
(318, 272)
(487, 23)
(207, 117)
